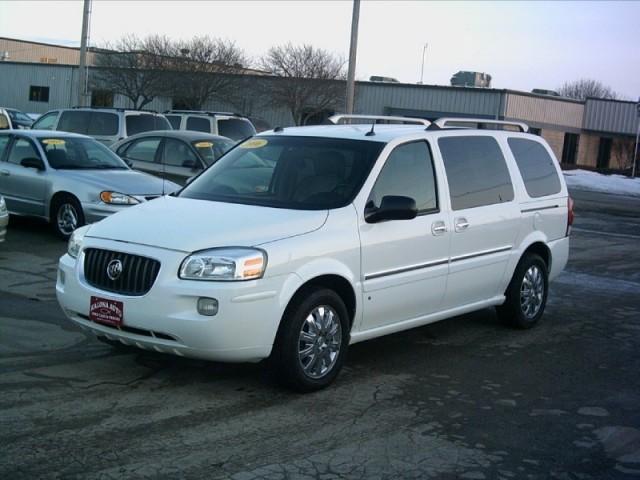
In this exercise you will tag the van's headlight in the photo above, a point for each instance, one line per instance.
(115, 198)
(224, 264)
(75, 241)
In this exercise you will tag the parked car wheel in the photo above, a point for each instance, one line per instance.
(66, 216)
(527, 293)
(312, 342)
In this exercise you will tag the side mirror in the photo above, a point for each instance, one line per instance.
(192, 164)
(392, 207)
(32, 162)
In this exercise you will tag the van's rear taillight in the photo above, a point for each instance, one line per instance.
(570, 214)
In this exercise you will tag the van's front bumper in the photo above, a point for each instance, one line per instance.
(166, 318)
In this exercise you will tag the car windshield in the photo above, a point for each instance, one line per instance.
(212, 150)
(69, 153)
(146, 122)
(302, 173)
(19, 116)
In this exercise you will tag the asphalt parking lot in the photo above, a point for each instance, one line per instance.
(464, 398)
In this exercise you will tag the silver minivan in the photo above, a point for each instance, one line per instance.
(226, 124)
(107, 125)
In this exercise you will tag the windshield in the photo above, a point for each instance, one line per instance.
(19, 116)
(211, 150)
(302, 173)
(146, 123)
(235, 128)
(79, 153)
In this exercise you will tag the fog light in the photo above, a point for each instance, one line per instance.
(207, 306)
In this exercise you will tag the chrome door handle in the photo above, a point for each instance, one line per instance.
(461, 224)
(438, 228)
(5, 173)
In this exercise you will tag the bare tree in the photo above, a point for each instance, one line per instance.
(133, 68)
(202, 70)
(308, 81)
(585, 87)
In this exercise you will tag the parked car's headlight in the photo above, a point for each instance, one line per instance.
(116, 198)
(3, 206)
(75, 241)
(224, 264)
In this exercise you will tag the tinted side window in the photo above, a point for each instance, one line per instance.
(199, 124)
(174, 120)
(4, 141)
(46, 122)
(145, 123)
(22, 149)
(143, 150)
(176, 153)
(408, 172)
(476, 171)
(76, 122)
(103, 124)
(235, 128)
(536, 167)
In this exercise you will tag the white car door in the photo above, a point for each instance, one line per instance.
(485, 218)
(404, 262)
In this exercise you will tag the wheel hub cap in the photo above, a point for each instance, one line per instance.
(532, 292)
(319, 341)
(67, 219)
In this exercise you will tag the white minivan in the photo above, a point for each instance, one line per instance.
(302, 241)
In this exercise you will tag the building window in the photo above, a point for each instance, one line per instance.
(101, 98)
(604, 153)
(38, 94)
(570, 148)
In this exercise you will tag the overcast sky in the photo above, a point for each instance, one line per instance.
(523, 45)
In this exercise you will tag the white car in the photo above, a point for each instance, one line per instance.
(302, 241)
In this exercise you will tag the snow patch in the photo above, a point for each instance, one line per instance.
(586, 180)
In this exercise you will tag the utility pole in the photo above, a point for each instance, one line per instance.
(351, 75)
(635, 151)
(83, 73)
(424, 51)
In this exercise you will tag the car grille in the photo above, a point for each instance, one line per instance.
(137, 277)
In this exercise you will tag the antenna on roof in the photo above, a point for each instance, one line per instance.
(371, 133)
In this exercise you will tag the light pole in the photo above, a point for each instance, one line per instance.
(351, 74)
(424, 51)
(635, 151)
(83, 74)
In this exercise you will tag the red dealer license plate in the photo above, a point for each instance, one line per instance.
(103, 310)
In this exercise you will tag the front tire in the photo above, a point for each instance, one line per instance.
(66, 216)
(527, 293)
(312, 342)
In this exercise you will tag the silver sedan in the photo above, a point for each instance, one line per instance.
(69, 179)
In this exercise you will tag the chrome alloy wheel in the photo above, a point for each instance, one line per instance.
(319, 341)
(532, 291)
(67, 219)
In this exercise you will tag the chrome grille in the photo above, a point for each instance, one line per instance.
(137, 277)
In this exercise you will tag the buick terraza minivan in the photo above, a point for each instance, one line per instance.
(302, 241)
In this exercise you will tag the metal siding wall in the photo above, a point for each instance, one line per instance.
(544, 111)
(373, 99)
(15, 80)
(610, 116)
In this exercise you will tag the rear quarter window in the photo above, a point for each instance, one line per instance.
(174, 120)
(145, 123)
(199, 124)
(536, 167)
(103, 123)
(235, 128)
(477, 172)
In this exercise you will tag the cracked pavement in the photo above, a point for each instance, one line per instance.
(466, 398)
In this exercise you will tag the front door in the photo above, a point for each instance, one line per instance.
(405, 262)
(24, 188)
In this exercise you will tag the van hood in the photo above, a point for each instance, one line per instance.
(190, 225)
(128, 182)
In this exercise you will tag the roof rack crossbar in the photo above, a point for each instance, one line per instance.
(340, 119)
(442, 122)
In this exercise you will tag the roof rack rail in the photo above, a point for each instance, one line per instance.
(339, 119)
(117, 109)
(442, 122)
(205, 112)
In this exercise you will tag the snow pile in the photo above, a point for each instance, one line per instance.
(586, 180)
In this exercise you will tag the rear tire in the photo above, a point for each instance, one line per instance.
(66, 216)
(312, 341)
(526, 295)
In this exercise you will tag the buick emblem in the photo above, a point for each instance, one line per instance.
(114, 269)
